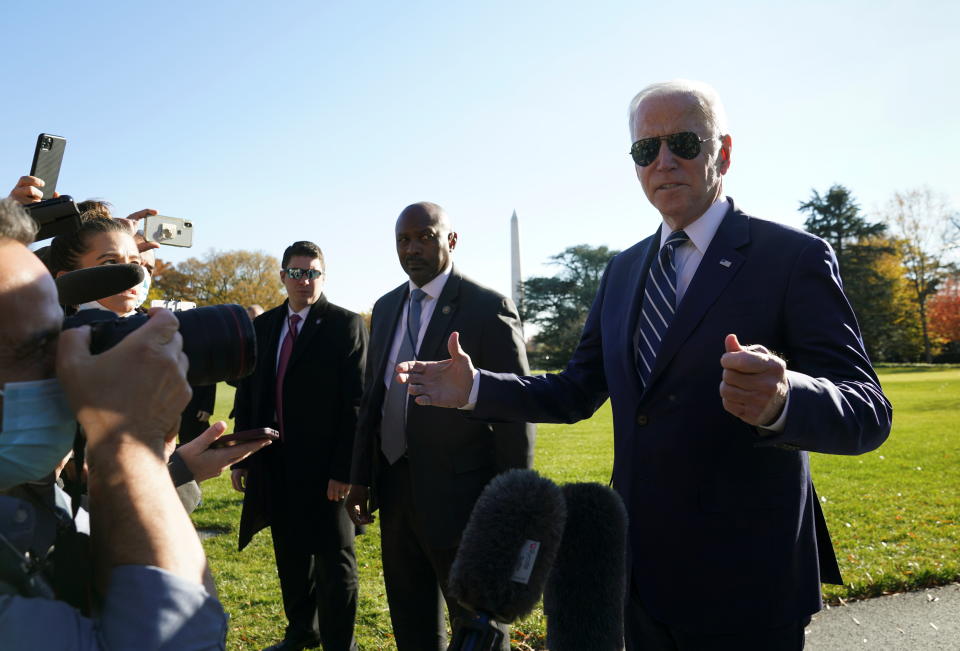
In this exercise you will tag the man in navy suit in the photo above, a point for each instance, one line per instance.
(727, 543)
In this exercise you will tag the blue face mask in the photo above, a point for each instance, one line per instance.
(38, 431)
(143, 289)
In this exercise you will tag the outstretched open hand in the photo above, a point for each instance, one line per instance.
(440, 384)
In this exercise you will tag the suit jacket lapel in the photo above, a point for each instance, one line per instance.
(638, 279)
(720, 264)
(434, 344)
(308, 329)
(383, 331)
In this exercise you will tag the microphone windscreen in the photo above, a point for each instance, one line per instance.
(95, 283)
(583, 600)
(508, 545)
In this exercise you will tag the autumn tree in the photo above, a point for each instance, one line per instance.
(923, 225)
(558, 305)
(943, 309)
(871, 270)
(242, 277)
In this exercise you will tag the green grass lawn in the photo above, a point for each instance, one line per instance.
(893, 513)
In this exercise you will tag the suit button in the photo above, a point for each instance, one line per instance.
(641, 419)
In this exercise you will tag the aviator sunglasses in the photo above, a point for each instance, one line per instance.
(296, 273)
(685, 144)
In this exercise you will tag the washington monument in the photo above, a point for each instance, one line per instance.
(516, 282)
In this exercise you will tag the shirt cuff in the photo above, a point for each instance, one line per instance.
(474, 390)
(778, 425)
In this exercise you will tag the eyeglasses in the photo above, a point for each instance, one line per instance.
(297, 273)
(685, 144)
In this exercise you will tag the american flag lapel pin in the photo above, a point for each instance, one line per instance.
(726, 263)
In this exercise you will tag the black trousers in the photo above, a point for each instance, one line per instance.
(645, 633)
(415, 574)
(318, 578)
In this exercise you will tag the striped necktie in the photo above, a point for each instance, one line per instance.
(659, 304)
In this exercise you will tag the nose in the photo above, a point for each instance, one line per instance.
(665, 159)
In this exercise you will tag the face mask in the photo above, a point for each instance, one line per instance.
(143, 289)
(38, 431)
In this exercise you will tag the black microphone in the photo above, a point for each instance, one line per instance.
(505, 554)
(583, 600)
(94, 283)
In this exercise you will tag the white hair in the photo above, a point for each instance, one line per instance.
(706, 97)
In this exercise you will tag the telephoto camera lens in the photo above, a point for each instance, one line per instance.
(218, 340)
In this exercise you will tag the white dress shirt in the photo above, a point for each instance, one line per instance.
(689, 254)
(428, 304)
(286, 328)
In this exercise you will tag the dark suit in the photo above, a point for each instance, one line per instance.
(426, 497)
(204, 398)
(287, 481)
(723, 521)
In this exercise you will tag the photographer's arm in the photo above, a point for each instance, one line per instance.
(137, 518)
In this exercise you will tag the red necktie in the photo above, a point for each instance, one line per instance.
(285, 350)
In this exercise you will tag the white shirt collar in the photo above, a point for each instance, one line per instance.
(303, 313)
(435, 286)
(702, 230)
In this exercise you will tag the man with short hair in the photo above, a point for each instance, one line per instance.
(727, 541)
(425, 468)
(145, 550)
(307, 385)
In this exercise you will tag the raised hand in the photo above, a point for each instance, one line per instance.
(440, 384)
(27, 190)
(754, 386)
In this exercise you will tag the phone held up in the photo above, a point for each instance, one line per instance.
(47, 158)
(168, 230)
(228, 440)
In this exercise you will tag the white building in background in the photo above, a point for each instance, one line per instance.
(516, 280)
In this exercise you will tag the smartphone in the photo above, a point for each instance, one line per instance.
(54, 216)
(47, 158)
(228, 440)
(168, 230)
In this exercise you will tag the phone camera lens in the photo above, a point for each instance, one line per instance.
(46, 143)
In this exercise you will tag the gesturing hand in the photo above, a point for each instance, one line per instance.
(441, 384)
(206, 462)
(754, 386)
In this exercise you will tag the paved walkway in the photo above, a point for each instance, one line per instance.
(914, 621)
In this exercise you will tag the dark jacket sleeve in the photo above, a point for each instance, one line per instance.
(351, 375)
(243, 411)
(836, 403)
(566, 397)
(503, 350)
(368, 419)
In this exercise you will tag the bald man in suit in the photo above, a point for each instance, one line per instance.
(424, 468)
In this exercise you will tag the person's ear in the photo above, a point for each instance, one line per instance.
(452, 240)
(723, 157)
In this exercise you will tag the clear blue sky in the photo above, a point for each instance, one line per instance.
(321, 120)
